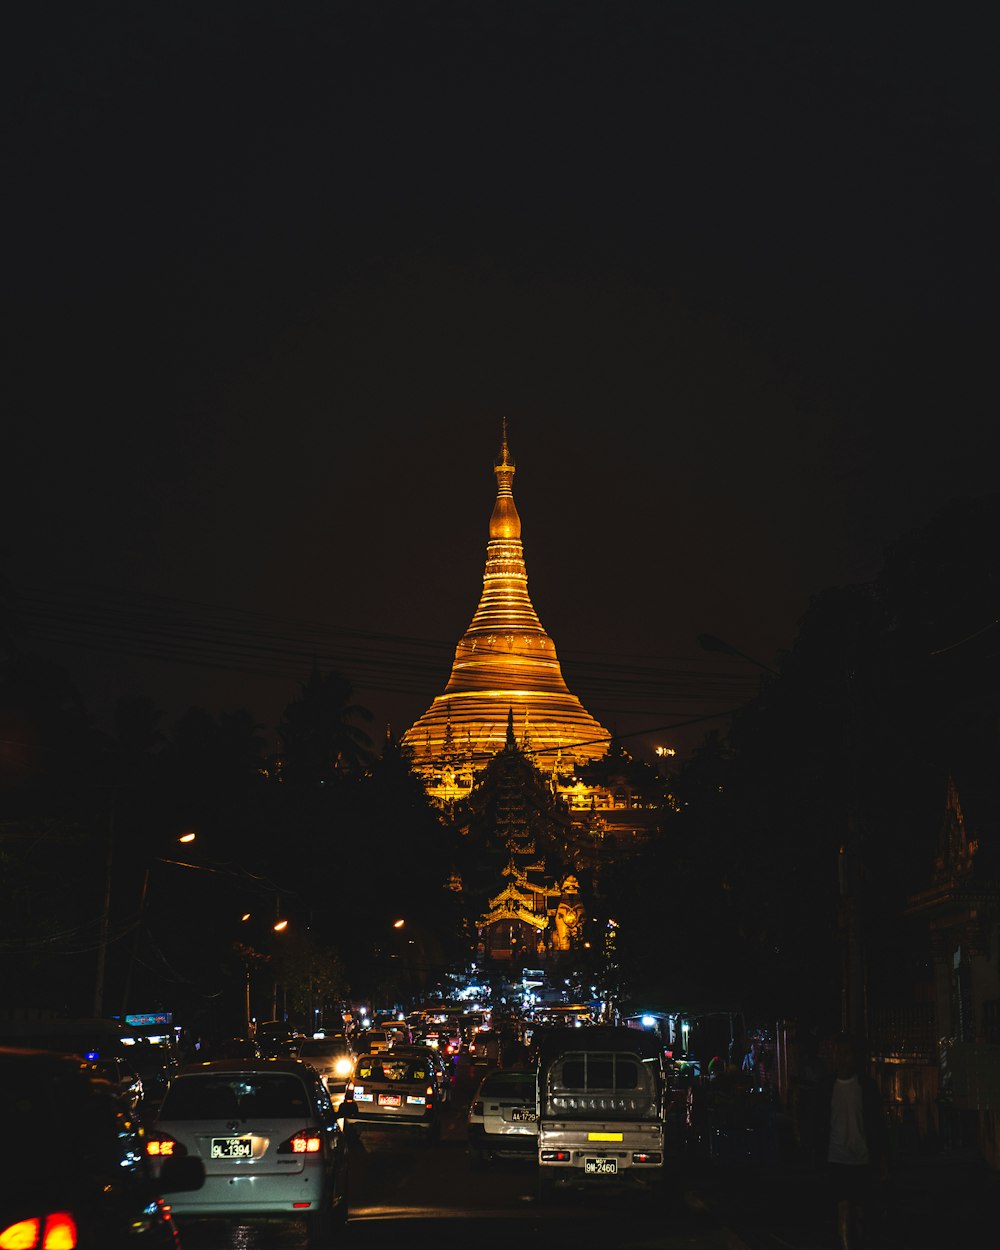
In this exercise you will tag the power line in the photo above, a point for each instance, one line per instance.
(212, 636)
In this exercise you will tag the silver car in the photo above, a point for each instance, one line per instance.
(269, 1139)
(502, 1122)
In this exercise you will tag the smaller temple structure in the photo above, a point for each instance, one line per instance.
(515, 921)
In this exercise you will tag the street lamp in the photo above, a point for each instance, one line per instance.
(102, 951)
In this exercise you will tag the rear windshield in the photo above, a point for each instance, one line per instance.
(236, 1095)
(323, 1050)
(602, 1082)
(401, 1068)
(521, 1090)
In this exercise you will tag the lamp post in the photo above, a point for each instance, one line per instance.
(185, 838)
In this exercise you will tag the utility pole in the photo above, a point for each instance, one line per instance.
(102, 936)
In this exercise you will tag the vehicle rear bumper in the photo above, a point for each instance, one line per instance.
(368, 1119)
(522, 1144)
(638, 1156)
(252, 1195)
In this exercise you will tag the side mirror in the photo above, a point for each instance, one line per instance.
(181, 1175)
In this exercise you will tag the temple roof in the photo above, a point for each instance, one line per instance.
(506, 669)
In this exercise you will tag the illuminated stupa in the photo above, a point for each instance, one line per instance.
(505, 664)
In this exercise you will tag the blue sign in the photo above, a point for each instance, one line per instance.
(150, 1017)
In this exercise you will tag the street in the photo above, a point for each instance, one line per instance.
(406, 1192)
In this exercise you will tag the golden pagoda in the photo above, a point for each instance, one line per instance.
(505, 663)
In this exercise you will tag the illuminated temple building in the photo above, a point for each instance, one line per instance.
(504, 664)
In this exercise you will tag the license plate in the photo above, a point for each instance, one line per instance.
(390, 1100)
(232, 1147)
(523, 1117)
(600, 1167)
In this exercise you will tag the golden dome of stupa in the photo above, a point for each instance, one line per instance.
(505, 664)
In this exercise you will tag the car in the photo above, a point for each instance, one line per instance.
(333, 1058)
(485, 1048)
(155, 1063)
(502, 1120)
(232, 1048)
(71, 1158)
(120, 1074)
(440, 1068)
(375, 1041)
(269, 1139)
(394, 1091)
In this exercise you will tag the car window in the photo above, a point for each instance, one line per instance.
(519, 1090)
(598, 1072)
(210, 1096)
(322, 1050)
(396, 1069)
(323, 1103)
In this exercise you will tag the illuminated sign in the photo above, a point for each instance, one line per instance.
(150, 1017)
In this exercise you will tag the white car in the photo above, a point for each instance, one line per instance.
(502, 1121)
(268, 1137)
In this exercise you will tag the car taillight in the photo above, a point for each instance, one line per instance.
(556, 1156)
(647, 1156)
(305, 1142)
(163, 1146)
(56, 1231)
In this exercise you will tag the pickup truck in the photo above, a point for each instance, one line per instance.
(600, 1109)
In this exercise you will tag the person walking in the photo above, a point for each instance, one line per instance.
(851, 1137)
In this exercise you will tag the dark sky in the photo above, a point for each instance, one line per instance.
(277, 271)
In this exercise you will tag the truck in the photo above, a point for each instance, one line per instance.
(600, 1109)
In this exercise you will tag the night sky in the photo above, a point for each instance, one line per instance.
(276, 272)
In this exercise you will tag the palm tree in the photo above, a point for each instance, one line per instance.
(319, 737)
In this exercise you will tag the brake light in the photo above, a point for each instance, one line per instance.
(556, 1156)
(647, 1156)
(305, 1142)
(56, 1231)
(163, 1146)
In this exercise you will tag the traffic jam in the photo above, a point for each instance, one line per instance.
(298, 1134)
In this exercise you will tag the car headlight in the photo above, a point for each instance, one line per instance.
(343, 1067)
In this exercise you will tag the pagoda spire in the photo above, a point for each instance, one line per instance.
(506, 659)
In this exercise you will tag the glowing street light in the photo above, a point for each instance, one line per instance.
(280, 926)
(187, 837)
(398, 924)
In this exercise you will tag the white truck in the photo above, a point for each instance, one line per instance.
(600, 1109)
